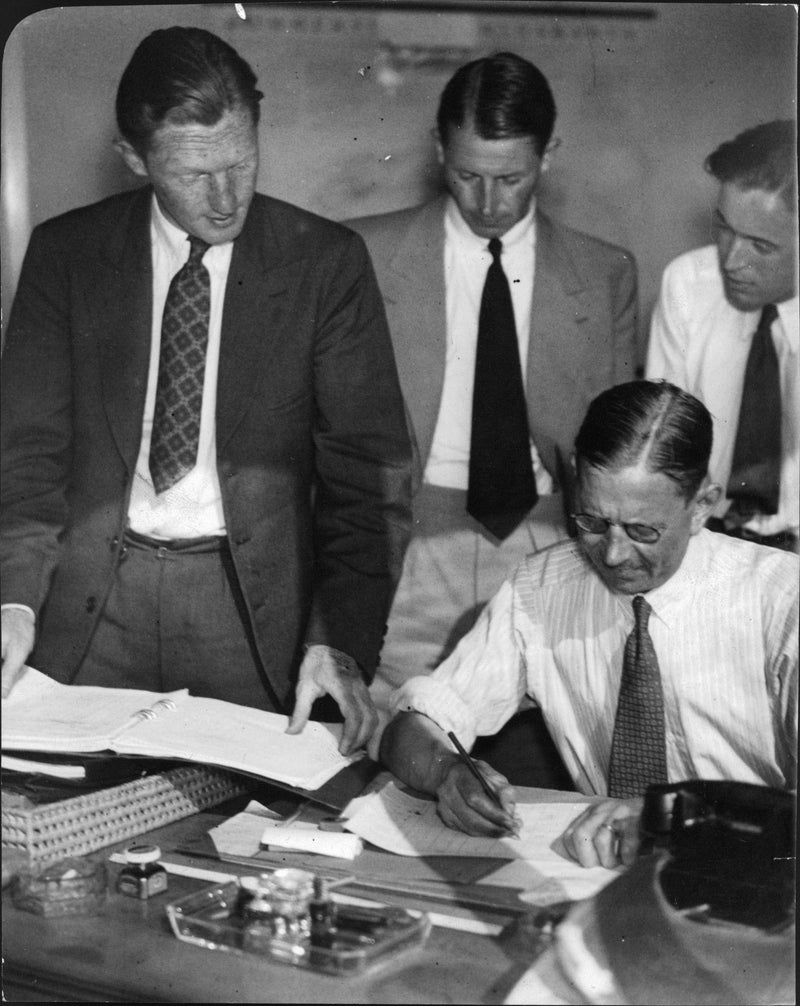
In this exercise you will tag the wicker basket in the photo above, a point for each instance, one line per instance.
(84, 823)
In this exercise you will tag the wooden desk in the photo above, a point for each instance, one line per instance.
(129, 954)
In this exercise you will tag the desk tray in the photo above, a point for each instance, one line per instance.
(210, 919)
(82, 824)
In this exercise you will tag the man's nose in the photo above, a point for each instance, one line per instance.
(222, 195)
(488, 197)
(736, 256)
(616, 547)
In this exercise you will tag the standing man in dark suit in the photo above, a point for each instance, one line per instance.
(206, 465)
(572, 335)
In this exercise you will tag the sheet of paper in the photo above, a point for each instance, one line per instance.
(55, 770)
(409, 826)
(245, 834)
(239, 835)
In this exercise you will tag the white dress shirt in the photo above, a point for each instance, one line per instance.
(466, 262)
(192, 507)
(724, 628)
(701, 343)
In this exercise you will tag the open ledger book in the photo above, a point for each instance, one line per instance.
(43, 715)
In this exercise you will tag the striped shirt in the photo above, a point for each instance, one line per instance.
(724, 627)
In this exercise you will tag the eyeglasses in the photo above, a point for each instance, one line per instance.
(641, 533)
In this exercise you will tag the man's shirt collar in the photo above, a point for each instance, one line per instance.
(458, 229)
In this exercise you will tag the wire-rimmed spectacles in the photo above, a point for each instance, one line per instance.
(641, 533)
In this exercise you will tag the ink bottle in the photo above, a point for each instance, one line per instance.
(256, 908)
(276, 919)
(142, 876)
(321, 912)
(291, 892)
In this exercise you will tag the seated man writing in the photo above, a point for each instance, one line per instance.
(657, 650)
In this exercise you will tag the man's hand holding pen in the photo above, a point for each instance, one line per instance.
(465, 802)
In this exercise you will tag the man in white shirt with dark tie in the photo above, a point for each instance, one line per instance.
(718, 641)
(714, 303)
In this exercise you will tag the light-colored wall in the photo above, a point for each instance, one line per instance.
(351, 98)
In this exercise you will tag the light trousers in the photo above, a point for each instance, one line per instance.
(452, 568)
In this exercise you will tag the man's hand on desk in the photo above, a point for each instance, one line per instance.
(18, 628)
(326, 671)
(464, 806)
(606, 833)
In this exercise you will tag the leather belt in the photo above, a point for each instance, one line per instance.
(175, 546)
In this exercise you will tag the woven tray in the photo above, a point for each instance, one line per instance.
(84, 823)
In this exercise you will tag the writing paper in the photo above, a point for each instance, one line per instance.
(410, 826)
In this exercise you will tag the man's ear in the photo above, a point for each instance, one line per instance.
(132, 160)
(549, 150)
(437, 139)
(708, 495)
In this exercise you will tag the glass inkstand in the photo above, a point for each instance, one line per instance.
(288, 916)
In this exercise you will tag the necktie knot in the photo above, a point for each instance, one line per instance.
(641, 611)
(768, 314)
(495, 249)
(197, 249)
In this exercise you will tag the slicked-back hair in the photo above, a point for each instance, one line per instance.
(500, 97)
(179, 76)
(764, 157)
(649, 422)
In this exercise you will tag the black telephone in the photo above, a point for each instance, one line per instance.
(731, 850)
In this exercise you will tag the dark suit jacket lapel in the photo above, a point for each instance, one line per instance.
(259, 280)
(121, 294)
(416, 281)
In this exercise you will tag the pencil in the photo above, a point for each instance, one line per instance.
(487, 789)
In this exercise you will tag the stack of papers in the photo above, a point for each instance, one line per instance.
(43, 715)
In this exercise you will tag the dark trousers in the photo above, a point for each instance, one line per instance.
(175, 618)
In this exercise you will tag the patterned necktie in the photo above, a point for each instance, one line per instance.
(638, 747)
(181, 368)
(502, 487)
(754, 482)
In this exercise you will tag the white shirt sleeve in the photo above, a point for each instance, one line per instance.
(669, 335)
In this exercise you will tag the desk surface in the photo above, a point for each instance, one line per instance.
(129, 954)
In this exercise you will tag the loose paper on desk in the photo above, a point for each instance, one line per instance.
(246, 833)
(410, 826)
(43, 715)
